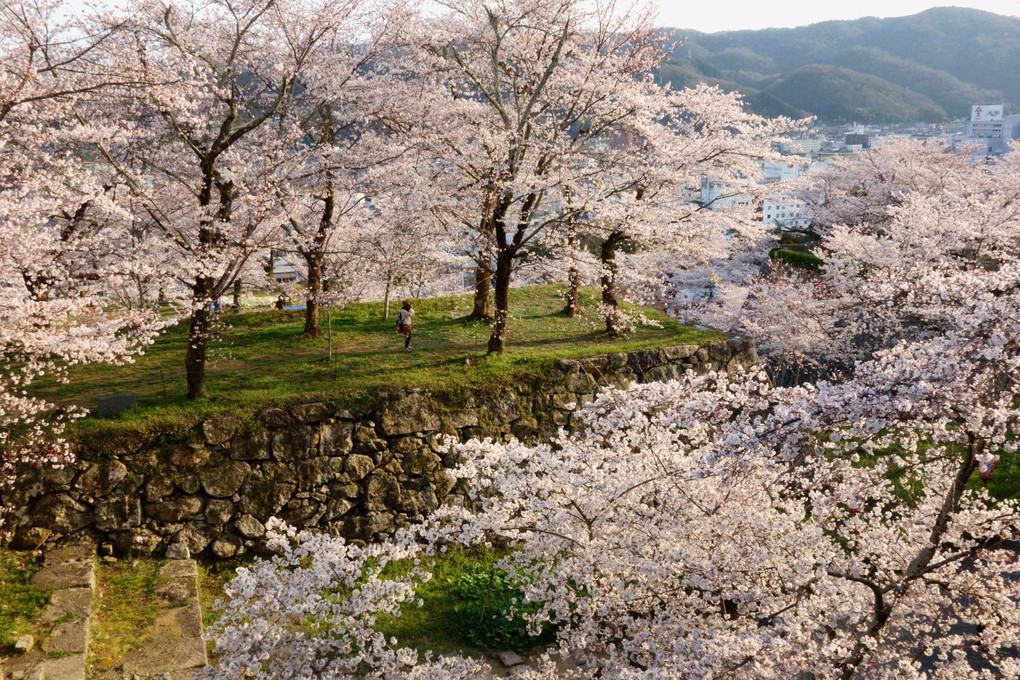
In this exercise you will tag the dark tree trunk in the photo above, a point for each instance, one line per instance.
(314, 258)
(386, 298)
(236, 305)
(573, 286)
(198, 332)
(609, 272)
(504, 267)
(483, 283)
(206, 290)
(573, 274)
(271, 265)
(312, 298)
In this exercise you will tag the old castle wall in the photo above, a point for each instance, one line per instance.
(313, 465)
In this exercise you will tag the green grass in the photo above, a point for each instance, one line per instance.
(259, 358)
(1004, 484)
(20, 601)
(1005, 481)
(125, 609)
(439, 625)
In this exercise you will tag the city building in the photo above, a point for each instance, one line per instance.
(991, 129)
(856, 141)
(715, 194)
(780, 209)
(787, 213)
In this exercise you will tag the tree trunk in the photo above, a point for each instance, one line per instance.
(313, 258)
(573, 286)
(236, 304)
(573, 274)
(504, 267)
(198, 335)
(614, 328)
(312, 297)
(271, 265)
(204, 287)
(483, 282)
(386, 298)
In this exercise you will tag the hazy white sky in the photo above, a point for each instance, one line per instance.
(732, 15)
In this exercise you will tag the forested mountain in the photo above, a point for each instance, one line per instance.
(926, 67)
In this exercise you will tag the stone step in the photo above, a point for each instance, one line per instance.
(173, 648)
(70, 573)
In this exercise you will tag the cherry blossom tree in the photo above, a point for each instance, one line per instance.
(205, 147)
(633, 183)
(401, 239)
(343, 109)
(532, 84)
(721, 526)
(907, 209)
(55, 221)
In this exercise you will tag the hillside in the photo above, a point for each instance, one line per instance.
(928, 67)
(835, 93)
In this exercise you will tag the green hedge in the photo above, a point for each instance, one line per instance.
(797, 259)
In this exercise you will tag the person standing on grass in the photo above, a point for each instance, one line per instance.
(404, 323)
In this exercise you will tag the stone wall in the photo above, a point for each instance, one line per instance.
(361, 474)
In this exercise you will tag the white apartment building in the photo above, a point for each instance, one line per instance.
(990, 128)
(781, 210)
(715, 195)
(786, 213)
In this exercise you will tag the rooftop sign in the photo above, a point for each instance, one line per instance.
(984, 112)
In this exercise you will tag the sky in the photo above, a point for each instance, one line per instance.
(733, 15)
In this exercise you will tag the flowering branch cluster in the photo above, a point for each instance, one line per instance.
(62, 237)
(903, 233)
(719, 525)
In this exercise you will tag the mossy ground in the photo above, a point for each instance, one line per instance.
(125, 609)
(435, 625)
(20, 601)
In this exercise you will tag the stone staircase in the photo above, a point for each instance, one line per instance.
(172, 649)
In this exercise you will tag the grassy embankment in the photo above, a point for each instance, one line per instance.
(259, 358)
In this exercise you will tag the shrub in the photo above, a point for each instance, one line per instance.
(797, 259)
(489, 610)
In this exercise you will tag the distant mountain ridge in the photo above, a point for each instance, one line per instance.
(928, 67)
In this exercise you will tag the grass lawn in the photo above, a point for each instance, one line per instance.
(259, 358)
(463, 608)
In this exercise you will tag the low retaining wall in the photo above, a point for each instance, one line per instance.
(357, 474)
